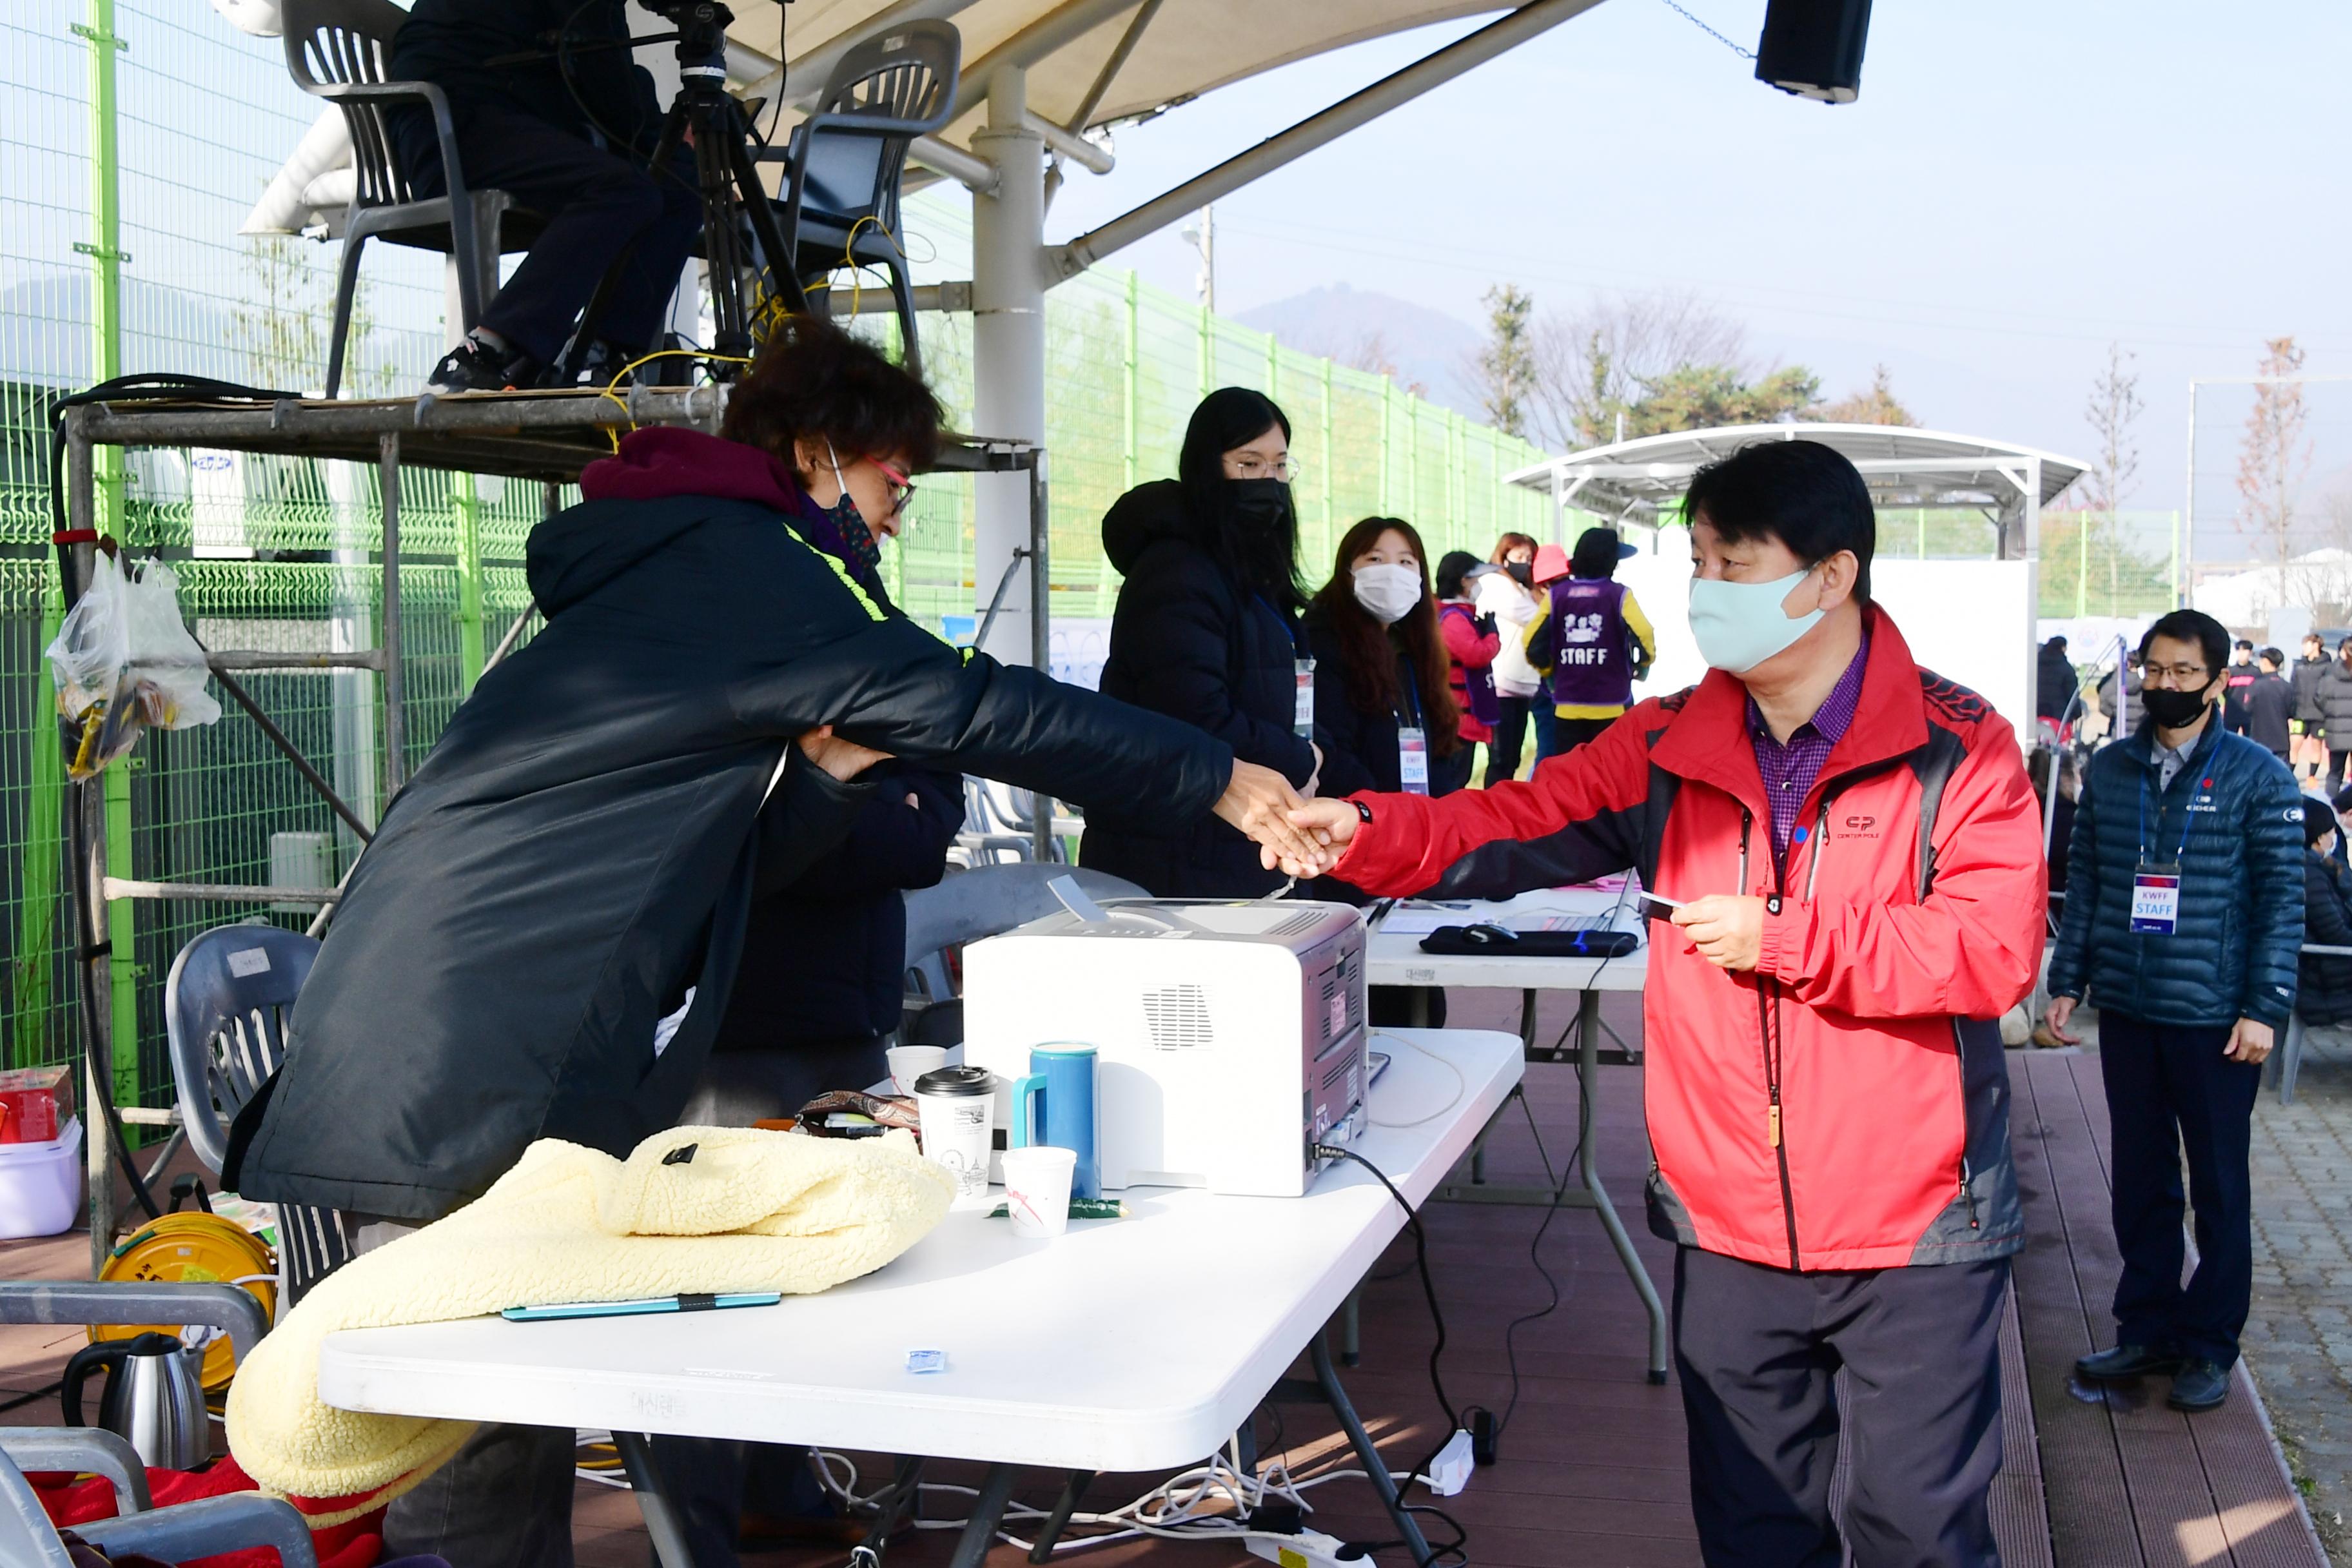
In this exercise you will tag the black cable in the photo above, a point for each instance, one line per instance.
(1436, 1380)
(24, 1399)
(83, 958)
(1511, 1331)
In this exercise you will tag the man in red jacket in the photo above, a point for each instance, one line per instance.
(1858, 858)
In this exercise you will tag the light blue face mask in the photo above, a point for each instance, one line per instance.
(1738, 626)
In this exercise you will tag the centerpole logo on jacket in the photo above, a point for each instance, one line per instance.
(1592, 650)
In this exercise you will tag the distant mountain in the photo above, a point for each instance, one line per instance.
(1375, 331)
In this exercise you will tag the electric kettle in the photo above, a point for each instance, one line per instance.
(155, 1398)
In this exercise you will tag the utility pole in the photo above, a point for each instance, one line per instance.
(1203, 237)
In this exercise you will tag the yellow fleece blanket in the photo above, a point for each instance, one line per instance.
(747, 1210)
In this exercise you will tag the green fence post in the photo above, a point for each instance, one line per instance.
(105, 251)
(1323, 458)
(1920, 517)
(465, 501)
(2082, 564)
(36, 912)
(1132, 384)
(1388, 426)
(1273, 368)
(1208, 351)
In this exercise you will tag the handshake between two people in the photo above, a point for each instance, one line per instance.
(1257, 800)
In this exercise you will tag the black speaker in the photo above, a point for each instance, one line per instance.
(1813, 47)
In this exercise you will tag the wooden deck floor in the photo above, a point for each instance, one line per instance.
(1592, 1466)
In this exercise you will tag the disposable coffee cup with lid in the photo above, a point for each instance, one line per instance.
(958, 1107)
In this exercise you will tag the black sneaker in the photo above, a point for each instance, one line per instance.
(2125, 1363)
(2199, 1385)
(475, 366)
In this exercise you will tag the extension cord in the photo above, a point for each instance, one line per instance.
(1307, 1548)
(1450, 1471)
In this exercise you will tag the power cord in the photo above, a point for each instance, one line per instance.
(1436, 1350)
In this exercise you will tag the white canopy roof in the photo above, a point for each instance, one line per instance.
(1184, 48)
(1905, 466)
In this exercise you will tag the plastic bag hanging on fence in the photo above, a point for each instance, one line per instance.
(123, 662)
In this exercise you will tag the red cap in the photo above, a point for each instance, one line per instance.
(1551, 565)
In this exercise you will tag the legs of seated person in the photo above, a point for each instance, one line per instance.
(598, 205)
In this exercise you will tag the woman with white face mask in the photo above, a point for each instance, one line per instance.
(1383, 705)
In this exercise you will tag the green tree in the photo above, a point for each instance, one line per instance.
(1506, 366)
(1700, 396)
(1874, 404)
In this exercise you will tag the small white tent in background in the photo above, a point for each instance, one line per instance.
(1970, 619)
(2249, 598)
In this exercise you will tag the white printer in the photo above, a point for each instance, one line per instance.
(1230, 1038)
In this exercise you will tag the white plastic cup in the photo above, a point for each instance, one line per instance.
(908, 1063)
(958, 1107)
(1037, 1189)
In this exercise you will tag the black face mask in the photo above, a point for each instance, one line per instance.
(1523, 572)
(2170, 709)
(1260, 502)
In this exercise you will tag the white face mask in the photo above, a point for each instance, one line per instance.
(1738, 626)
(1388, 590)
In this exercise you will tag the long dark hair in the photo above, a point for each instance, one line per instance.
(1266, 559)
(1365, 646)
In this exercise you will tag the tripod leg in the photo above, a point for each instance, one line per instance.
(783, 277)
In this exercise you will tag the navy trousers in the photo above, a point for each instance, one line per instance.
(600, 206)
(1758, 1349)
(2169, 1089)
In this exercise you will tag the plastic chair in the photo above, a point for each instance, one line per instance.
(224, 1011)
(338, 50)
(844, 162)
(178, 1534)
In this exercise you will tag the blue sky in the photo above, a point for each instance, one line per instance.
(2020, 183)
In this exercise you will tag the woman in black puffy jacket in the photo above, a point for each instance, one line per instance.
(1207, 631)
(2322, 983)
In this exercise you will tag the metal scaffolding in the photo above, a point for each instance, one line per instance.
(548, 436)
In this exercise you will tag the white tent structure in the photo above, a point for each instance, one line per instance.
(1973, 620)
(1043, 82)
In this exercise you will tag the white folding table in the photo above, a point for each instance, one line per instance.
(1394, 957)
(1134, 1345)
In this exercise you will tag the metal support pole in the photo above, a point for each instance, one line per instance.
(1588, 1073)
(33, 1036)
(395, 727)
(1368, 1453)
(1388, 428)
(1204, 376)
(987, 1514)
(1323, 458)
(1041, 621)
(2181, 574)
(1008, 328)
(663, 1526)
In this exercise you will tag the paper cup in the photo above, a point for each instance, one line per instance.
(959, 1115)
(1037, 1189)
(908, 1063)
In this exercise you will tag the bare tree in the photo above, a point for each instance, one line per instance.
(2274, 457)
(1874, 404)
(2113, 409)
(1504, 368)
(1593, 364)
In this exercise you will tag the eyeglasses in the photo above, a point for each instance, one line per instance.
(2188, 676)
(902, 488)
(1249, 466)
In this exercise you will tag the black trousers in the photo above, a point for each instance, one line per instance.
(598, 206)
(2170, 1089)
(1502, 752)
(1570, 733)
(1756, 1350)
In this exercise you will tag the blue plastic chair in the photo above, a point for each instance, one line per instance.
(225, 1012)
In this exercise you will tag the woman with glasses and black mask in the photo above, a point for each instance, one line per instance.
(1207, 631)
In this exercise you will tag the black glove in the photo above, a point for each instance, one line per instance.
(1484, 625)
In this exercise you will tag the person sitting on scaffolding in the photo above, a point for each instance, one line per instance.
(550, 107)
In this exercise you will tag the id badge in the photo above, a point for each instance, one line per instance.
(1302, 711)
(1412, 759)
(2156, 899)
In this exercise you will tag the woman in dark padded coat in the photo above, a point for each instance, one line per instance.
(1207, 631)
(2324, 984)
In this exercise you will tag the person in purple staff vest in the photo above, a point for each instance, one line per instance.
(1593, 641)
